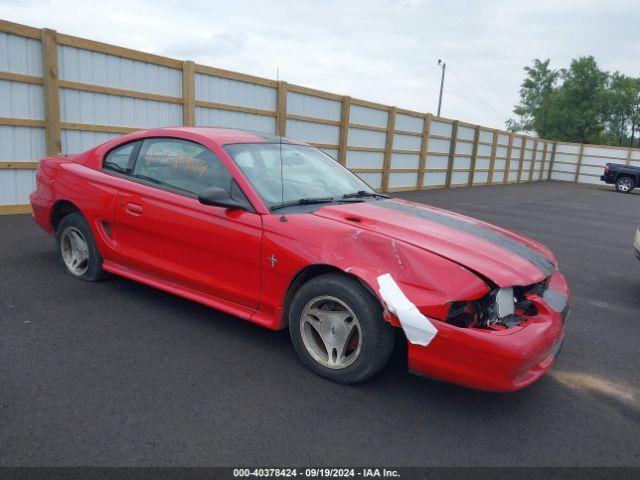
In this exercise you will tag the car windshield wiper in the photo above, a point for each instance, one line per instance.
(313, 201)
(363, 193)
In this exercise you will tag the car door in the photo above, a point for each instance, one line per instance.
(163, 231)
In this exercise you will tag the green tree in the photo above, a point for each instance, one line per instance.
(536, 91)
(622, 99)
(578, 109)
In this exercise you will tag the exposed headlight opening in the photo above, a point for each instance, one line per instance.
(501, 308)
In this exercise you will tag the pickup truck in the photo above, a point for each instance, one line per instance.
(624, 177)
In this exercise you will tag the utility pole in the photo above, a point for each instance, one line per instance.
(444, 67)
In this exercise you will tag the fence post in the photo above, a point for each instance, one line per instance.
(51, 91)
(628, 160)
(281, 112)
(452, 153)
(492, 160)
(188, 93)
(523, 151)
(388, 149)
(553, 159)
(579, 164)
(474, 156)
(544, 160)
(507, 163)
(424, 150)
(532, 166)
(344, 130)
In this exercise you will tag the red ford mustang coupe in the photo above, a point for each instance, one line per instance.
(276, 232)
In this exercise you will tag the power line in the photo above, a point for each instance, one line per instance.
(477, 95)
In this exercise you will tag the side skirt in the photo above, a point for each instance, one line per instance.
(194, 295)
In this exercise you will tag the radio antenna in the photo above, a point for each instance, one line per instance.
(281, 121)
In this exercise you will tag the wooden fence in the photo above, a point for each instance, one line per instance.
(63, 94)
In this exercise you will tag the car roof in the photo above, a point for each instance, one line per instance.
(220, 135)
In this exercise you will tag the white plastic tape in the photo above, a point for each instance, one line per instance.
(416, 326)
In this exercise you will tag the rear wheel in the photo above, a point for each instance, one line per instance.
(337, 329)
(625, 184)
(77, 250)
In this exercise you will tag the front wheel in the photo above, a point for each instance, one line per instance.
(625, 184)
(337, 329)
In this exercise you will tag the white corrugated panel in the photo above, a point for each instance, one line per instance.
(332, 152)
(563, 176)
(95, 68)
(525, 168)
(513, 176)
(313, 132)
(514, 165)
(564, 148)
(20, 55)
(589, 179)
(482, 163)
(235, 92)
(21, 144)
(461, 163)
(311, 106)
(78, 141)
(517, 142)
(464, 148)
(515, 153)
(503, 139)
(438, 145)
(607, 152)
(480, 177)
(466, 133)
(440, 128)
(458, 178)
(372, 179)
(16, 185)
(599, 161)
(635, 154)
(502, 151)
(485, 149)
(635, 163)
(498, 176)
(528, 154)
(499, 164)
(486, 136)
(366, 138)
(432, 179)
(563, 167)
(21, 100)
(566, 157)
(403, 179)
(407, 142)
(210, 117)
(409, 123)
(404, 160)
(357, 159)
(368, 116)
(101, 109)
(437, 161)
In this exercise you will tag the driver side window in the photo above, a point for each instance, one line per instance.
(180, 165)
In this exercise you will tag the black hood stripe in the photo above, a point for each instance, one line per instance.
(503, 241)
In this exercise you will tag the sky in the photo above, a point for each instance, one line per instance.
(384, 51)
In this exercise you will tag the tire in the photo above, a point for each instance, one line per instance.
(76, 245)
(339, 304)
(625, 184)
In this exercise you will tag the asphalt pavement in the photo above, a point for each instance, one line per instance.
(117, 373)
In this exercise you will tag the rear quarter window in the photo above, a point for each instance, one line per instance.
(121, 159)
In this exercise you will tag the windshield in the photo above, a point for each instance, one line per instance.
(307, 172)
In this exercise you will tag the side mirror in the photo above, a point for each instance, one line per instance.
(219, 197)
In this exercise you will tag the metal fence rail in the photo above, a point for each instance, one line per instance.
(63, 94)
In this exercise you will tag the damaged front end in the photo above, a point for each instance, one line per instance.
(503, 341)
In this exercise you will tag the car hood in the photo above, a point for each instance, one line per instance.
(505, 258)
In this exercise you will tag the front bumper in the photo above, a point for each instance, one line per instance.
(499, 361)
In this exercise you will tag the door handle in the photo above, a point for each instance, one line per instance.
(134, 208)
